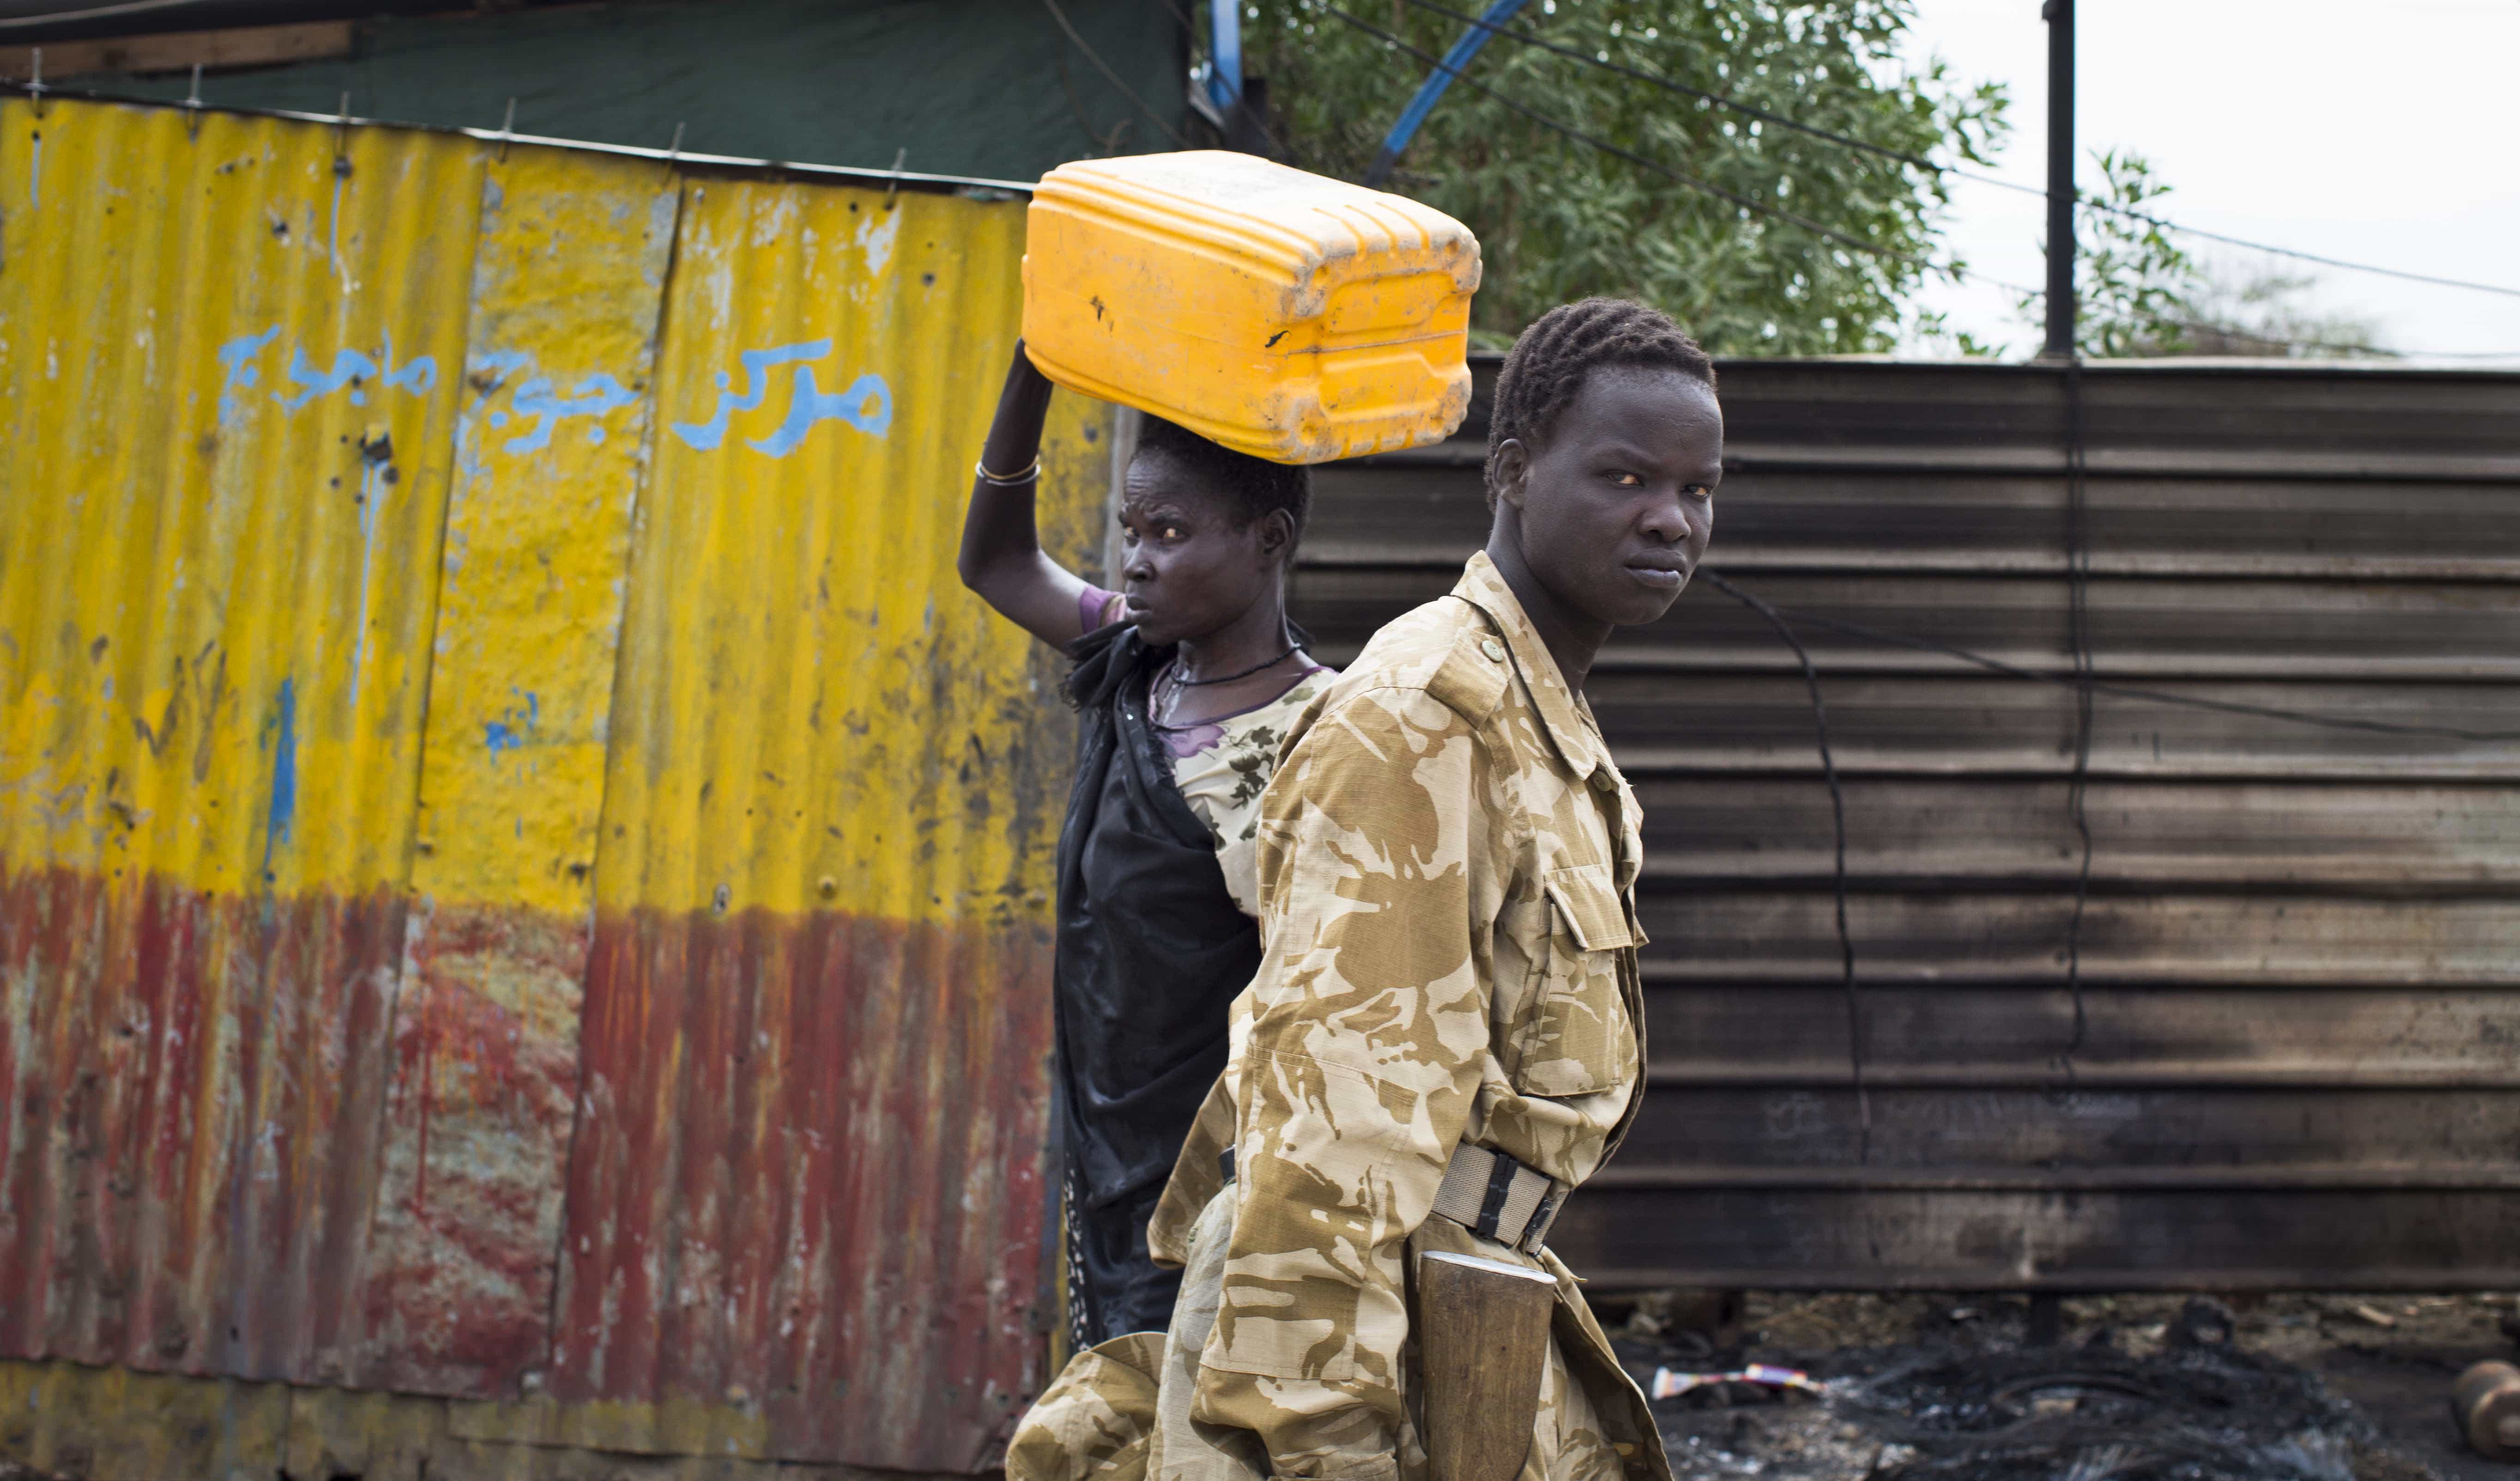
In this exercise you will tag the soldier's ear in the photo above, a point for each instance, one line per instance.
(1512, 471)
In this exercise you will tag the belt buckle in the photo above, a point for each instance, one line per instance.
(1536, 1233)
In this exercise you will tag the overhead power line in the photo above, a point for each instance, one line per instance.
(1954, 270)
(1678, 177)
(2295, 253)
(1589, 59)
(1105, 68)
(1921, 162)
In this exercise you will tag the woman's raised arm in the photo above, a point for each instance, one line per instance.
(1002, 558)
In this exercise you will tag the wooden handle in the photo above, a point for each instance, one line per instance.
(1484, 1341)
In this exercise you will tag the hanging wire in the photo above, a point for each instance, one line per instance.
(1954, 271)
(2077, 626)
(1837, 814)
(1921, 162)
(1198, 52)
(2086, 687)
(97, 12)
(2149, 695)
(1745, 203)
(1105, 68)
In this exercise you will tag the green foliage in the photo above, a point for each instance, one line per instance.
(1559, 219)
(2131, 281)
(1932, 334)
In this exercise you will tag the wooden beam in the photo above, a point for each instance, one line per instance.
(181, 51)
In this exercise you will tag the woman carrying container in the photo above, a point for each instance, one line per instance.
(1445, 1036)
(1185, 681)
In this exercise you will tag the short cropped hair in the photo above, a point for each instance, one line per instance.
(1252, 486)
(1548, 364)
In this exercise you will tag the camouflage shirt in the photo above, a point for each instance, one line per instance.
(1447, 862)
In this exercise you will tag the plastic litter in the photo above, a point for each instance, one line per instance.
(1671, 1384)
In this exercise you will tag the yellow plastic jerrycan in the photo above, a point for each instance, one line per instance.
(1280, 313)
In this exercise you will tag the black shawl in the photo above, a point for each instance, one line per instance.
(1151, 949)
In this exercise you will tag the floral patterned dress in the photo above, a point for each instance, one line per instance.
(1221, 765)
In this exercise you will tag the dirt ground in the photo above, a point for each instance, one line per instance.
(1928, 1387)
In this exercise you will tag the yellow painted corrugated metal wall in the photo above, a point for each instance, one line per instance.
(482, 674)
(230, 363)
(784, 943)
(549, 446)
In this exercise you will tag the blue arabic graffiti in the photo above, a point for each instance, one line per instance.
(595, 395)
(705, 436)
(354, 370)
(350, 369)
(515, 726)
(236, 358)
(866, 404)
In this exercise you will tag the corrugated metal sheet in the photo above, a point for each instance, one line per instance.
(522, 875)
(805, 1199)
(116, 1424)
(231, 371)
(2299, 980)
(549, 449)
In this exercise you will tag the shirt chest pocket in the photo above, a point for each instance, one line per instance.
(1573, 1036)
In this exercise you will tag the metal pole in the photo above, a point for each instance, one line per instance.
(1224, 45)
(1431, 90)
(2059, 16)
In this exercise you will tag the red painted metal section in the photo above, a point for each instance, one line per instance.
(463, 1263)
(310, 783)
(807, 1181)
(191, 1097)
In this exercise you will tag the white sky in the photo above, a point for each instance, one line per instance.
(2383, 131)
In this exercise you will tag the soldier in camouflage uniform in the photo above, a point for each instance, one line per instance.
(1444, 1034)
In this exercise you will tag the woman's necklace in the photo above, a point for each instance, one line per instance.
(1174, 683)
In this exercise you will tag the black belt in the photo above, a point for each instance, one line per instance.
(1489, 1194)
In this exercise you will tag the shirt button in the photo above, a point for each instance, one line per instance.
(1494, 649)
(1601, 782)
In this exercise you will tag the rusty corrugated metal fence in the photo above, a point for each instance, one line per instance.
(522, 876)
(2299, 1060)
(524, 879)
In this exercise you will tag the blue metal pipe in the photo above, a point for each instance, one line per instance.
(1434, 87)
(1225, 44)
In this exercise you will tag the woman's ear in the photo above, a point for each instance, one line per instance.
(1512, 471)
(1277, 535)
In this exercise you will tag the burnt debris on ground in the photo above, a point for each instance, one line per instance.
(1920, 1387)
